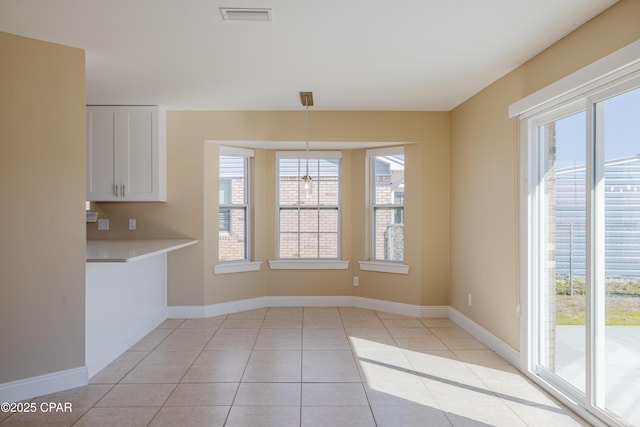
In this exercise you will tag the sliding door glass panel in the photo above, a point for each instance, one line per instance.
(618, 119)
(562, 216)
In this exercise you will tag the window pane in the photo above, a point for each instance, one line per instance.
(388, 236)
(328, 183)
(224, 218)
(288, 182)
(232, 176)
(329, 220)
(288, 245)
(620, 126)
(310, 197)
(563, 212)
(309, 245)
(388, 179)
(224, 196)
(309, 220)
(329, 245)
(289, 220)
(288, 191)
(232, 239)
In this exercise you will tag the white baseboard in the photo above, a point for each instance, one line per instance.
(434, 312)
(63, 380)
(191, 312)
(187, 312)
(503, 349)
(234, 306)
(401, 308)
(309, 301)
(27, 388)
(195, 312)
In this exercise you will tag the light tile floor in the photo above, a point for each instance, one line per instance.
(320, 366)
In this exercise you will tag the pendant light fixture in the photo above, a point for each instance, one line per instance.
(307, 100)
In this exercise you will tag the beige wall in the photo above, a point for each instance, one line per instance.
(42, 188)
(484, 171)
(460, 200)
(191, 209)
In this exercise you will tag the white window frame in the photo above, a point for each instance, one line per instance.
(585, 87)
(382, 266)
(309, 263)
(245, 264)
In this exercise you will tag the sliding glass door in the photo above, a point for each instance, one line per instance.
(584, 251)
(562, 271)
(616, 305)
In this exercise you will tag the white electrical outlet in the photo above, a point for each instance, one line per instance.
(469, 299)
(103, 224)
(356, 282)
(132, 223)
(518, 310)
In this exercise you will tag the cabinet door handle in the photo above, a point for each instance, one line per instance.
(115, 189)
(122, 190)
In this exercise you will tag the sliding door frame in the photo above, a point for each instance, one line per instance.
(532, 227)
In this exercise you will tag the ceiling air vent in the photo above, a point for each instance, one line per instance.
(245, 14)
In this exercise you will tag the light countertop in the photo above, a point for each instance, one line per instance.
(132, 250)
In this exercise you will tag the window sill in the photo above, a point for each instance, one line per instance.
(281, 264)
(384, 267)
(237, 267)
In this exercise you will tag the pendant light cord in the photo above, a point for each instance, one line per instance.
(307, 125)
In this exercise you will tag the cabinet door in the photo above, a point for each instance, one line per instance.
(138, 151)
(101, 155)
(126, 159)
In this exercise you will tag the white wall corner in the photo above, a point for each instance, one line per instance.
(44, 384)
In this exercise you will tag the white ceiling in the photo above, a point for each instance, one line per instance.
(352, 54)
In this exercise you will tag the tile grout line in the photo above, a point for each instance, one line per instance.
(415, 369)
(235, 395)
(113, 385)
(189, 367)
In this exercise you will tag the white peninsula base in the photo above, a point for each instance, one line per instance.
(126, 298)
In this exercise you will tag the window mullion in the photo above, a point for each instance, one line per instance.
(596, 283)
(318, 210)
(247, 220)
(299, 237)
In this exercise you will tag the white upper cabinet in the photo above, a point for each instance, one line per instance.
(126, 154)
